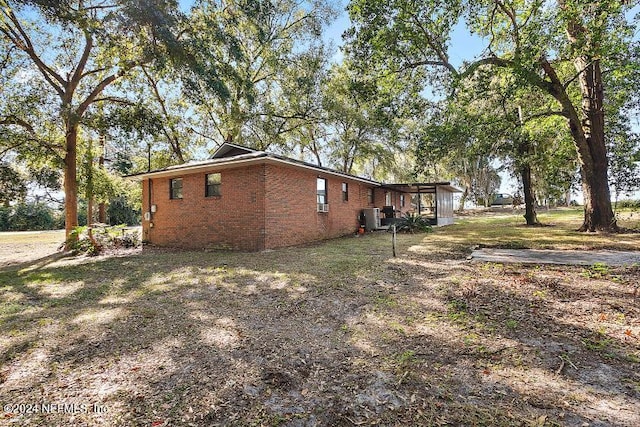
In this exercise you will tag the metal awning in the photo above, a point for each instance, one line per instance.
(423, 187)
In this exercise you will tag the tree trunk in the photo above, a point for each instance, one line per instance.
(524, 149)
(102, 209)
(587, 130)
(70, 180)
(530, 214)
(463, 198)
(598, 214)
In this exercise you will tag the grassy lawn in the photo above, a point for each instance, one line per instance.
(336, 333)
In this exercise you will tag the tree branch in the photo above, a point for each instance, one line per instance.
(514, 22)
(78, 73)
(103, 84)
(14, 120)
(21, 40)
(546, 114)
(577, 75)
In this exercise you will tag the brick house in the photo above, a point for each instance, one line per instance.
(251, 200)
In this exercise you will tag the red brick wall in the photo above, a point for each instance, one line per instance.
(291, 206)
(263, 206)
(233, 220)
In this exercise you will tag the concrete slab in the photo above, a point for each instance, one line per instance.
(543, 256)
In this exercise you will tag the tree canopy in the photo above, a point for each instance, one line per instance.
(559, 48)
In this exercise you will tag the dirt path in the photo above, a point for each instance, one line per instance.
(561, 257)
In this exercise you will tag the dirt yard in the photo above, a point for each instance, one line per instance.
(333, 334)
(23, 246)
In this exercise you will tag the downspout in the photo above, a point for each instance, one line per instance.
(150, 187)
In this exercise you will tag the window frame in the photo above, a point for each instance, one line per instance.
(212, 189)
(370, 196)
(345, 191)
(173, 195)
(322, 194)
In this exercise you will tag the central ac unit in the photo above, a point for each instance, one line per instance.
(372, 218)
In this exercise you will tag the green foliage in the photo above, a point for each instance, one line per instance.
(79, 242)
(251, 46)
(120, 211)
(83, 240)
(65, 58)
(546, 49)
(12, 185)
(628, 204)
(596, 271)
(29, 216)
(413, 223)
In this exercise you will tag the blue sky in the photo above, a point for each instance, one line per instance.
(464, 45)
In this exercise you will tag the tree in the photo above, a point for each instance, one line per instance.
(533, 40)
(76, 50)
(455, 144)
(13, 187)
(262, 42)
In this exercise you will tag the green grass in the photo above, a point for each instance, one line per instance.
(40, 237)
(558, 231)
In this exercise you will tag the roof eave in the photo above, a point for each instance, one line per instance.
(229, 162)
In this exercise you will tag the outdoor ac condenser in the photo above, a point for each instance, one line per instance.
(372, 218)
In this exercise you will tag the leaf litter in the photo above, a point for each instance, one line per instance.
(299, 337)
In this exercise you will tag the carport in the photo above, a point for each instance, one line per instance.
(433, 200)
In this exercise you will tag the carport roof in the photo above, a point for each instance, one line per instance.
(423, 187)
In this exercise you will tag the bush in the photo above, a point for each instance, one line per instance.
(29, 216)
(121, 212)
(628, 204)
(5, 218)
(411, 223)
(96, 240)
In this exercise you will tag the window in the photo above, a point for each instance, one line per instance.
(402, 200)
(175, 190)
(212, 184)
(345, 192)
(370, 195)
(321, 192)
(387, 198)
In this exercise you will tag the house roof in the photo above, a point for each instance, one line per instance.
(231, 155)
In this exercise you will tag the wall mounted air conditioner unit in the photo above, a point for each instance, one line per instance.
(323, 207)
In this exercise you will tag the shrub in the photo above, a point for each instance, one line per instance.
(411, 223)
(628, 204)
(83, 240)
(120, 211)
(28, 216)
(32, 216)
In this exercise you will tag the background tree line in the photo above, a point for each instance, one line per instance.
(94, 90)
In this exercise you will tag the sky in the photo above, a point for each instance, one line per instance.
(464, 45)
